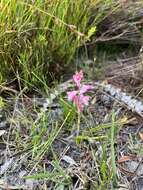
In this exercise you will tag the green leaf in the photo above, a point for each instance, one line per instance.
(68, 108)
(91, 31)
(2, 103)
(113, 159)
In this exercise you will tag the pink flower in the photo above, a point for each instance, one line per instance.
(71, 95)
(85, 88)
(79, 100)
(77, 78)
(84, 100)
(77, 96)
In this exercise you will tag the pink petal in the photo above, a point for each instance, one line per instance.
(85, 88)
(71, 95)
(78, 77)
(84, 100)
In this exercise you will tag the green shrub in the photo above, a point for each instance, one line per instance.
(41, 36)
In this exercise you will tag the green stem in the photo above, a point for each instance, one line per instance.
(78, 123)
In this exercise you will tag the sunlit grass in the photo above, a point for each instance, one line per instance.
(42, 37)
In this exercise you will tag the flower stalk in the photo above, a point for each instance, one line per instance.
(77, 96)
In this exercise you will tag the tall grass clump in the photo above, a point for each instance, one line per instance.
(40, 37)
